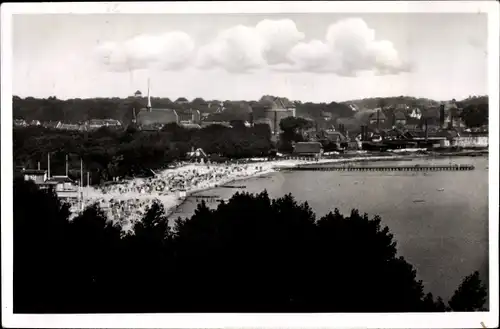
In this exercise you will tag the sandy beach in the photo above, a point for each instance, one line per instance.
(127, 201)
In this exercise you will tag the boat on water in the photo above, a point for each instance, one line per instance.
(440, 189)
(418, 201)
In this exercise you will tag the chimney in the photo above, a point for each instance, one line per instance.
(81, 172)
(38, 165)
(149, 97)
(67, 166)
(275, 122)
(48, 166)
(441, 115)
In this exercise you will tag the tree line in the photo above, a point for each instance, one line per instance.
(79, 110)
(251, 254)
(122, 109)
(108, 153)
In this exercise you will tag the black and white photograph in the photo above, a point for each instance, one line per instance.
(237, 162)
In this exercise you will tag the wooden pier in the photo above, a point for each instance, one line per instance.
(383, 168)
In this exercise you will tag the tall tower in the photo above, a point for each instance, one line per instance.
(149, 97)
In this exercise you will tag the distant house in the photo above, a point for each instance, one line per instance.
(112, 123)
(308, 149)
(191, 116)
(62, 183)
(156, 117)
(69, 126)
(34, 123)
(64, 187)
(19, 123)
(94, 124)
(35, 175)
(399, 119)
(50, 124)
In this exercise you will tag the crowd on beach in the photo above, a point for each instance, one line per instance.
(128, 201)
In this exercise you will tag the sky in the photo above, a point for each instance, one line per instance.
(308, 57)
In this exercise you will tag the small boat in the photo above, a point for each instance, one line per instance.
(440, 189)
(418, 201)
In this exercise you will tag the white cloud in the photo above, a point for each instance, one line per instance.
(348, 49)
(169, 51)
(242, 48)
(236, 49)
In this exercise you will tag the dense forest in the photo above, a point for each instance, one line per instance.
(251, 254)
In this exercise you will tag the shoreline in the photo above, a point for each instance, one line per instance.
(280, 163)
(172, 202)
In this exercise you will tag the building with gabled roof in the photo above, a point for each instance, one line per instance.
(149, 117)
(36, 175)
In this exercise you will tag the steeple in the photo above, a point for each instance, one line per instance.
(149, 97)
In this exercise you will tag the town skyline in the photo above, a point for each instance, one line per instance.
(304, 57)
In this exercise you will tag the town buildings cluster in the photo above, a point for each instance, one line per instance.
(400, 123)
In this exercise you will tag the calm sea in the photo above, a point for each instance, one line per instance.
(444, 235)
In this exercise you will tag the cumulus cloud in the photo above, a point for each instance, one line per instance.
(242, 48)
(236, 49)
(349, 47)
(168, 51)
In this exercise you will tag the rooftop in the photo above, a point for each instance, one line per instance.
(156, 116)
(399, 116)
(59, 179)
(307, 147)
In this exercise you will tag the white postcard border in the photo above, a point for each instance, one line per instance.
(406, 320)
